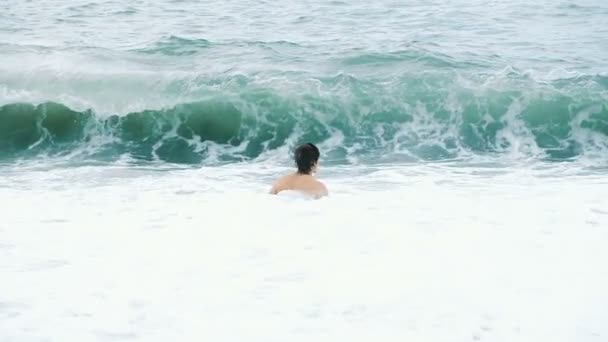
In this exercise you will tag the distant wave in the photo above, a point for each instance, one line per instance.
(176, 46)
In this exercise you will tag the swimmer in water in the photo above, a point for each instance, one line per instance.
(303, 180)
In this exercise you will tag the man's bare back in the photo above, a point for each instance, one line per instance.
(304, 183)
(307, 160)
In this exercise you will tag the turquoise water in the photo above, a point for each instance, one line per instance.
(464, 145)
(186, 82)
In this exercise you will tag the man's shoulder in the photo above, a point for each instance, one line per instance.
(320, 187)
(282, 183)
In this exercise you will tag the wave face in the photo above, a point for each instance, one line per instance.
(430, 118)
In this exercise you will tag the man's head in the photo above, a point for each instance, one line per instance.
(306, 157)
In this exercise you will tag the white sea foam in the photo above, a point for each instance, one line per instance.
(426, 253)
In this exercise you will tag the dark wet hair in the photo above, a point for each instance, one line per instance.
(306, 157)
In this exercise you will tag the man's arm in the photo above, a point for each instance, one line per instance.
(321, 190)
(274, 190)
(277, 187)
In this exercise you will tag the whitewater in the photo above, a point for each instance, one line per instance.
(464, 145)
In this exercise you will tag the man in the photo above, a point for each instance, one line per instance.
(303, 180)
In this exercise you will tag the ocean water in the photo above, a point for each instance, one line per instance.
(464, 144)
